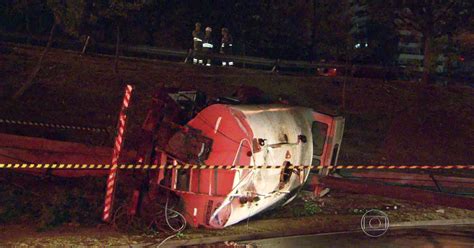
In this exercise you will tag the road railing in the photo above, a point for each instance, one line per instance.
(145, 51)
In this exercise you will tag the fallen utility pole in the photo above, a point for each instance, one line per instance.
(398, 192)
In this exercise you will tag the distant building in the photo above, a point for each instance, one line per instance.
(410, 53)
(410, 43)
(359, 21)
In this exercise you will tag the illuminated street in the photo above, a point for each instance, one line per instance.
(459, 236)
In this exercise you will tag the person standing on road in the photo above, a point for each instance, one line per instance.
(207, 45)
(197, 44)
(226, 46)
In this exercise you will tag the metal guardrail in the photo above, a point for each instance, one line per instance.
(143, 51)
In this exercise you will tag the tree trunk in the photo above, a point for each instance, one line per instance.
(31, 77)
(117, 45)
(346, 74)
(313, 32)
(427, 60)
(27, 23)
(85, 45)
(244, 54)
(449, 55)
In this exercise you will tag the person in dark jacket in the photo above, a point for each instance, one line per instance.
(208, 44)
(226, 46)
(198, 37)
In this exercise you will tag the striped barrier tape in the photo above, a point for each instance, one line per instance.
(226, 167)
(50, 125)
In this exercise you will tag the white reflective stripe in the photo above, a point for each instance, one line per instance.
(218, 122)
(207, 45)
(231, 63)
(197, 39)
(224, 63)
(230, 44)
(222, 45)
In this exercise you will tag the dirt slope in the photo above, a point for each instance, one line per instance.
(386, 122)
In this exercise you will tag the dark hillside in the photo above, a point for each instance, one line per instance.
(386, 122)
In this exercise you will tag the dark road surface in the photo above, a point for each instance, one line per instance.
(451, 236)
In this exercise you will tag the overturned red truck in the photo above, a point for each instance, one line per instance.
(183, 127)
(186, 127)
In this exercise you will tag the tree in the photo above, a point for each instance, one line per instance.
(29, 81)
(432, 19)
(151, 16)
(331, 25)
(22, 7)
(118, 13)
(69, 14)
(76, 17)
